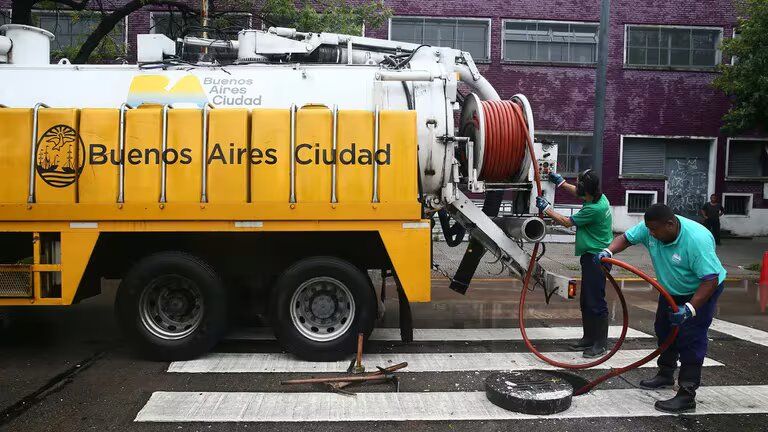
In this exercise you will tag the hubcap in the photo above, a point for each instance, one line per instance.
(171, 307)
(322, 309)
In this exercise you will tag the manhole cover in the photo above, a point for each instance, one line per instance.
(530, 392)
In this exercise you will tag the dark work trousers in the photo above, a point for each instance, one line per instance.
(713, 225)
(690, 347)
(592, 296)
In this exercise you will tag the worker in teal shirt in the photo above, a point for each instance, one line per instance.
(684, 259)
(593, 233)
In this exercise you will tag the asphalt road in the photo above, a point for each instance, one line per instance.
(68, 369)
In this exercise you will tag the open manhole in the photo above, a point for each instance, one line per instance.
(529, 392)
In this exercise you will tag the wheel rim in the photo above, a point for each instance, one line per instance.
(171, 307)
(322, 309)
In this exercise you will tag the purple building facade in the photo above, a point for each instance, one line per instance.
(662, 140)
(657, 108)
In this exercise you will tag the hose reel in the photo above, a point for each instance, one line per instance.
(498, 130)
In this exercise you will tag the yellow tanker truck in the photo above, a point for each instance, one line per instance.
(272, 183)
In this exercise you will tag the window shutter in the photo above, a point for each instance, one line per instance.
(643, 156)
(744, 158)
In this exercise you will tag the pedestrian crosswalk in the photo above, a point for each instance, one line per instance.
(461, 335)
(414, 406)
(740, 331)
(428, 362)
(474, 354)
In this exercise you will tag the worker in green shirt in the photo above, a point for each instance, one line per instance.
(683, 256)
(593, 234)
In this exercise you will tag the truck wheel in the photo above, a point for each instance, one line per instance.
(319, 306)
(172, 306)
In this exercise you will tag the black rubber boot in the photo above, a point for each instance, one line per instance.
(685, 399)
(586, 340)
(683, 402)
(665, 378)
(600, 336)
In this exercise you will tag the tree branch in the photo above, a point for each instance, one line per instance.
(21, 10)
(108, 22)
(75, 5)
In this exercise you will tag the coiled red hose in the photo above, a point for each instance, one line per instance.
(505, 139)
(505, 144)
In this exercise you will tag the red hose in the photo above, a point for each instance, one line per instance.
(505, 139)
(667, 342)
(519, 121)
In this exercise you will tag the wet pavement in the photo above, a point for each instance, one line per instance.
(68, 369)
(739, 256)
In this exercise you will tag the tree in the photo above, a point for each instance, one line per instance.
(21, 13)
(746, 80)
(335, 16)
(321, 15)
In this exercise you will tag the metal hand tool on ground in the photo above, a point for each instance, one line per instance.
(340, 382)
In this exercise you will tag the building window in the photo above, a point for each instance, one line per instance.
(550, 42)
(737, 204)
(71, 29)
(639, 201)
(654, 157)
(643, 156)
(687, 47)
(574, 151)
(471, 35)
(747, 158)
(177, 25)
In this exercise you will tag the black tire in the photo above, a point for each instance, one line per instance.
(207, 293)
(336, 271)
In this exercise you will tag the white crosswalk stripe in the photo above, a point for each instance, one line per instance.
(329, 407)
(432, 362)
(739, 331)
(214, 406)
(460, 335)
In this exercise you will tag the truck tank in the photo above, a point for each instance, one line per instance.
(302, 132)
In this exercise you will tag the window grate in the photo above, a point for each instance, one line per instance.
(736, 204)
(638, 202)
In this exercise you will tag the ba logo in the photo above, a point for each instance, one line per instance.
(60, 156)
(676, 258)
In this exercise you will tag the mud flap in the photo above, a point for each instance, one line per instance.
(406, 318)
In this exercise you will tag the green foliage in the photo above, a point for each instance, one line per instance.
(334, 16)
(47, 4)
(310, 16)
(746, 82)
(111, 48)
